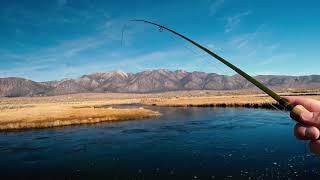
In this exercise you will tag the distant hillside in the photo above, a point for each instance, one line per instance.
(148, 82)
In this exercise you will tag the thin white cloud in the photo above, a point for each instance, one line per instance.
(120, 29)
(66, 53)
(251, 41)
(18, 15)
(211, 46)
(73, 47)
(138, 63)
(276, 58)
(242, 40)
(273, 47)
(234, 21)
(215, 6)
(41, 71)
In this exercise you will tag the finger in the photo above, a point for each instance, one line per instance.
(300, 114)
(309, 104)
(306, 133)
(300, 132)
(315, 147)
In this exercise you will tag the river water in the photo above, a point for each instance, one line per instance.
(184, 143)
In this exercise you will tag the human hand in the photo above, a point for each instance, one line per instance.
(308, 120)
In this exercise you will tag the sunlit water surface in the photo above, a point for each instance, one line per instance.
(184, 143)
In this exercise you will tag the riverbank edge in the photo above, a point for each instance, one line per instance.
(51, 122)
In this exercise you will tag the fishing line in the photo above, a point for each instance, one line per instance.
(205, 58)
(198, 55)
(270, 103)
(122, 34)
(282, 101)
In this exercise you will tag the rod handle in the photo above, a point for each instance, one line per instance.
(297, 111)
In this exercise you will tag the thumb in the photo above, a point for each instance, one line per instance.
(303, 116)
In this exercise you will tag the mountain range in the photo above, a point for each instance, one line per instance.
(149, 81)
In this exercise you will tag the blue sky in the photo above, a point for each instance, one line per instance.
(47, 40)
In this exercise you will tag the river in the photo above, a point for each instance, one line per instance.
(184, 143)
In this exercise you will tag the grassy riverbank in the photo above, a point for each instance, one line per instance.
(52, 111)
(53, 115)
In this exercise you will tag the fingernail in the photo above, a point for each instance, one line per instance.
(306, 116)
(309, 134)
(312, 133)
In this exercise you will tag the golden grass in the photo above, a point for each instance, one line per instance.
(236, 100)
(52, 115)
(220, 101)
(42, 112)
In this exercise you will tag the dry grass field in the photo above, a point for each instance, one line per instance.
(28, 113)
(51, 111)
(219, 101)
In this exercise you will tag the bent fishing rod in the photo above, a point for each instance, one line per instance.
(282, 101)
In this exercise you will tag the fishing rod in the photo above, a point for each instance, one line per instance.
(282, 101)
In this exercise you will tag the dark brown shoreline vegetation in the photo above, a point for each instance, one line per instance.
(54, 111)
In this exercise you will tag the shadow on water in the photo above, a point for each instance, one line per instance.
(185, 143)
